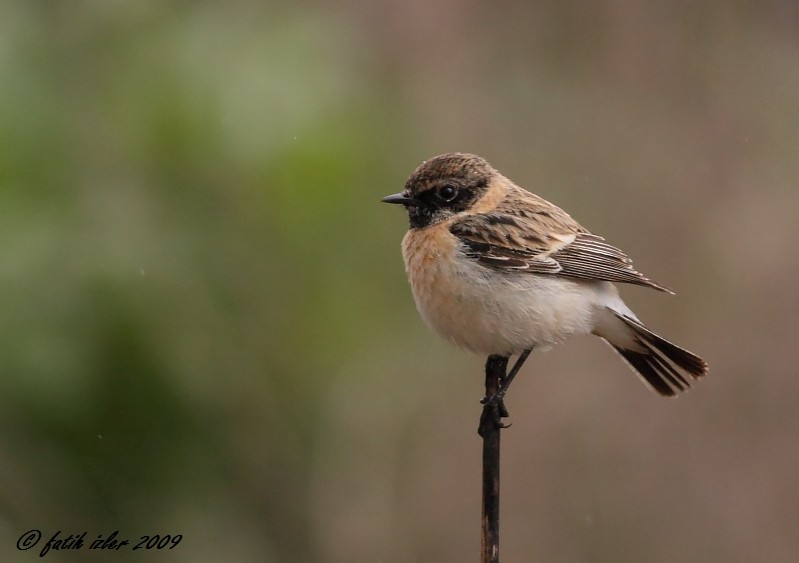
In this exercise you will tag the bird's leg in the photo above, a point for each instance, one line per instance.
(493, 410)
(506, 381)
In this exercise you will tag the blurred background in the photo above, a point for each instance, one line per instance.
(206, 328)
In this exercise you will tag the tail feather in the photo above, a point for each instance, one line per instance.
(662, 364)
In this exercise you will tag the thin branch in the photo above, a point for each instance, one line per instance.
(497, 383)
(490, 426)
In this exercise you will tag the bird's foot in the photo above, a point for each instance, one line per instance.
(493, 412)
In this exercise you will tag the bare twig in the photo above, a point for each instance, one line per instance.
(490, 426)
(494, 411)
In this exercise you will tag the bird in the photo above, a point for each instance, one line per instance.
(498, 270)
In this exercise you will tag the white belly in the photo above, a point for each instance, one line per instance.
(492, 312)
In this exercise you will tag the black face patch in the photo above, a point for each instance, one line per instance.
(443, 199)
(444, 186)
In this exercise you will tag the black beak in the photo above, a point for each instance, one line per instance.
(398, 198)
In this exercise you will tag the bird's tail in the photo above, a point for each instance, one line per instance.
(663, 365)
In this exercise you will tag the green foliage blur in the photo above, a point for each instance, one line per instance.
(206, 328)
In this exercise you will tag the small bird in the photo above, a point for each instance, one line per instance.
(498, 270)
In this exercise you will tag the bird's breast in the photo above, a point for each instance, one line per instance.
(486, 310)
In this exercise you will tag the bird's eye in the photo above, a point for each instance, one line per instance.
(447, 192)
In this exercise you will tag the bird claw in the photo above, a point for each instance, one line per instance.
(499, 400)
(493, 412)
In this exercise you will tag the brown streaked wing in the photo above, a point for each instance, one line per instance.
(590, 257)
(507, 241)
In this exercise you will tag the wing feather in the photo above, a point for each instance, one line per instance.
(543, 239)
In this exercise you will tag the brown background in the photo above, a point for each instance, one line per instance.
(205, 324)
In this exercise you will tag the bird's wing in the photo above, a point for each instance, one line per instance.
(544, 240)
